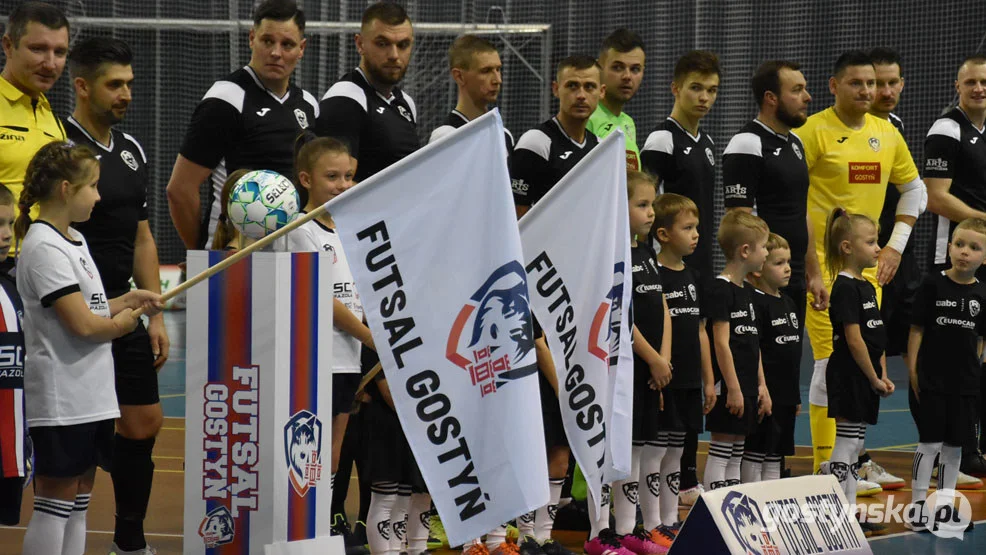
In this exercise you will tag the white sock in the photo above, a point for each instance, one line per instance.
(418, 515)
(383, 496)
(544, 518)
(649, 488)
(924, 461)
(46, 530)
(772, 467)
(494, 538)
(845, 454)
(75, 529)
(751, 469)
(714, 476)
(398, 518)
(525, 525)
(670, 476)
(735, 462)
(948, 475)
(626, 493)
(599, 512)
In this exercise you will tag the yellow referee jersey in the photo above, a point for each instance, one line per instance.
(849, 168)
(25, 126)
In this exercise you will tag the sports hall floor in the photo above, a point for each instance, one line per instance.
(892, 442)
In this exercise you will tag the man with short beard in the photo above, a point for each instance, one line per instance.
(622, 60)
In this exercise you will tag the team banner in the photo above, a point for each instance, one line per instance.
(258, 403)
(808, 514)
(433, 245)
(577, 247)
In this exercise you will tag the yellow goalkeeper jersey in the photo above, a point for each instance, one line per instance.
(848, 168)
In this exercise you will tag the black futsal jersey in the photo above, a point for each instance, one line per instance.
(457, 119)
(853, 301)
(780, 346)
(681, 292)
(379, 130)
(648, 295)
(111, 230)
(728, 302)
(685, 164)
(543, 156)
(953, 320)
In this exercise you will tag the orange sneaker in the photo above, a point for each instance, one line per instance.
(475, 547)
(508, 547)
(662, 537)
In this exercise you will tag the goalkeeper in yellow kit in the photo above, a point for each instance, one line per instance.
(851, 156)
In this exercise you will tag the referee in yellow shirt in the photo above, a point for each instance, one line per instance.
(35, 45)
(851, 156)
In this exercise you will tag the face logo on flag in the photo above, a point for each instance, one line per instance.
(299, 115)
(492, 333)
(303, 450)
(217, 527)
(613, 305)
(745, 521)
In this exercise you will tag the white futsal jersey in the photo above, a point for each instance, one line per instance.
(315, 236)
(67, 380)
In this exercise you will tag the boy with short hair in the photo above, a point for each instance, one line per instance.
(691, 392)
(943, 359)
(736, 360)
(14, 469)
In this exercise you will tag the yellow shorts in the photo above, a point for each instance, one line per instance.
(822, 434)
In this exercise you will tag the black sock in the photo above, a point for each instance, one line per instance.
(688, 477)
(341, 488)
(864, 458)
(132, 478)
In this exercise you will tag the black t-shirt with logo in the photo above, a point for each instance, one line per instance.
(733, 303)
(681, 294)
(542, 157)
(953, 320)
(853, 301)
(780, 346)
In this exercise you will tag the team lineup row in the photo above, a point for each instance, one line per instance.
(250, 119)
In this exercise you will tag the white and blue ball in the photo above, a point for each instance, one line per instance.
(262, 202)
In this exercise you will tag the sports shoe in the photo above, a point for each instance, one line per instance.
(916, 520)
(551, 547)
(964, 481)
(513, 534)
(436, 533)
(872, 528)
(689, 497)
(639, 542)
(662, 536)
(475, 547)
(866, 488)
(872, 472)
(147, 550)
(606, 543)
(530, 546)
(340, 527)
(508, 547)
(673, 529)
(973, 464)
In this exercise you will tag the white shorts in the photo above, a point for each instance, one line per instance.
(818, 394)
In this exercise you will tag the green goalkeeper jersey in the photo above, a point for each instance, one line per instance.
(603, 122)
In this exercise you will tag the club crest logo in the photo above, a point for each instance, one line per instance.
(85, 266)
(654, 484)
(405, 113)
(708, 154)
(797, 151)
(302, 118)
(128, 159)
(303, 451)
(875, 144)
(492, 337)
(794, 319)
(217, 527)
(674, 482)
(383, 528)
(630, 492)
(331, 250)
(692, 292)
(973, 307)
(745, 521)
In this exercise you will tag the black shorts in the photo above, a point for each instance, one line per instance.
(720, 421)
(554, 428)
(947, 418)
(774, 435)
(133, 363)
(344, 388)
(389, 457)
(850, 396)
(682, 410)
(11, 492)
(70, 451)
(647, 414)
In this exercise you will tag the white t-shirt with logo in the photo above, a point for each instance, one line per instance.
(314, 236)
(67, 379)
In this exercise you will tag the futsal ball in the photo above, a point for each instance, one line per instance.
(262, 202)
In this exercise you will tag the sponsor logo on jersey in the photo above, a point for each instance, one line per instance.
(381, 109)
(875, 144)
(869, 304)
(782, 321)
(973, 308)
(493, 331)
(797, 151)
(875, 323)
(746, 522)
(744, 329)
(566, 155)
(607, 127)
(687, 150)
(129, 159)
(217, 528)
(709, 156)
(303, 451)
(842, 140)
(785, 339)
(405, 113)
(5, 136)
(947, 303)
(519, 186)
(864, 172)
(936, 164)
(683, 311)
(263, 112)
(946, 321)
(302, 118)
(973, 140)
(739, 314)
(777, 151)
(643, 289)
(735, 191)
(674, 295)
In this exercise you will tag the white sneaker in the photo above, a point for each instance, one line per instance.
(689, 497)
(872, 472)
(865, 488)
(148, 550)
(964, 480)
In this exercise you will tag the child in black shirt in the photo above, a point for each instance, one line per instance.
(943, 354)
(780, 350)
(857, 369)
(739, 377)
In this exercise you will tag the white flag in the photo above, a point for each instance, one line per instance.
(432, 242)
(577, 247)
